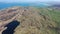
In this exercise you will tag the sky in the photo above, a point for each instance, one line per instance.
(9, 1)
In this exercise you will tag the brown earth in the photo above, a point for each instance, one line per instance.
(31, 22)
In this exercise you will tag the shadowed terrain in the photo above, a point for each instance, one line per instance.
(10, 27)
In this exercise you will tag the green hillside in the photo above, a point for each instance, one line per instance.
(39, 21)
(31, 20)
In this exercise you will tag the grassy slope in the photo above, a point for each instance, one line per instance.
(54, 14)
(39, 21)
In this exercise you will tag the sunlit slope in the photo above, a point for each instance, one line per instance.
(39, 21)
(33, 20)
(53, 13)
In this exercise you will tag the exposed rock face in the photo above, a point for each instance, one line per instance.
(31, 21)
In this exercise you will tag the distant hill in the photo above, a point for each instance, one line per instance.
(54, 4)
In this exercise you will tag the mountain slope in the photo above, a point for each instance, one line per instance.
(36, 20)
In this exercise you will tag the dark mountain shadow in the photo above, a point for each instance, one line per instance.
(11, 27)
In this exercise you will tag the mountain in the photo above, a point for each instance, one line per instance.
(31, 20)
(54, 4)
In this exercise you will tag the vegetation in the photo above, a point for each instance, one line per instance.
(53, 13)
(36, 20)
(39, 21)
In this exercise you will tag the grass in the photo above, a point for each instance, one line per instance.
(39, 21)
(54, 14)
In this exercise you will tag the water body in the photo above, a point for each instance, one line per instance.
(6, 5)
